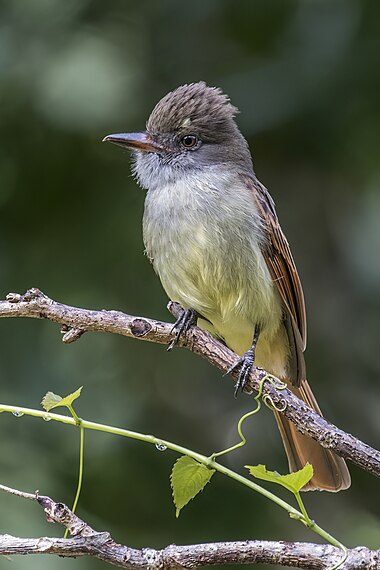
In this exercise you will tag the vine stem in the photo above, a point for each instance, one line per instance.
(81, 464)
(207, 461)
(80, 473)
(243, 439)
(268, 378)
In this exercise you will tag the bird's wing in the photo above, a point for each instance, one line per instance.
(284, 272)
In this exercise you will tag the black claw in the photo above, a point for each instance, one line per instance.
(185, 321)
(245, 363)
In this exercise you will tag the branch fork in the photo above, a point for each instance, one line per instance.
(87, 541)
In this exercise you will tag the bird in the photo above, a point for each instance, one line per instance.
(211, 231)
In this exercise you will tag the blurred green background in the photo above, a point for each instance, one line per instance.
(306, 77)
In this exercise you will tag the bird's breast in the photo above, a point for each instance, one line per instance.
(204, 237)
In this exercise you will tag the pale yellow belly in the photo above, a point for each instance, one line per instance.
(272, 351)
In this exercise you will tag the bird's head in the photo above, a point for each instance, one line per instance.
(190, 129)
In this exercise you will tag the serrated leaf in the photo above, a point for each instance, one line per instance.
(187, 479)
(292, 481)
(68, 400)
(51, 400)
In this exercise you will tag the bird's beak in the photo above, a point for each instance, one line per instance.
(135, 141)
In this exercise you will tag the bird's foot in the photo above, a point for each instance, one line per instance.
(185, 321)
(245, 364)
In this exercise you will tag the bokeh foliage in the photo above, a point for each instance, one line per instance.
(306, 77)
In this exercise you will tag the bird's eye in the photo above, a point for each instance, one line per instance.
(189, 141)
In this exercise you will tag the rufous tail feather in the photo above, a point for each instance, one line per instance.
(330, 470)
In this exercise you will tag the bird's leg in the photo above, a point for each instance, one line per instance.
(245, 364)
(186, 319)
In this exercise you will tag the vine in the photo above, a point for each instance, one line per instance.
(192, 471)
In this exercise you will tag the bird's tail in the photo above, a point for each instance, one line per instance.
(330, 470)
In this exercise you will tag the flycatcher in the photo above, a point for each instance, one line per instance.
(212, 233)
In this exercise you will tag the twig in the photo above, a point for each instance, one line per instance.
(34, 304)
(86, 541)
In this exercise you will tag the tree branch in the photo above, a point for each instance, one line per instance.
(76, 321)
(86, 541)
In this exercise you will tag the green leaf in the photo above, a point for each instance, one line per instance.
(51, 400)
(293, 481)
(187, 479)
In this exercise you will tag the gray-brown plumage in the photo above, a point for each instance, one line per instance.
(213, 236)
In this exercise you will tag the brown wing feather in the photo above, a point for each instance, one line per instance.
(330, 471)
(284, 272)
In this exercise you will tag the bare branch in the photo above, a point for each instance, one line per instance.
(34, 304)
(22, 494)
(86, 541)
